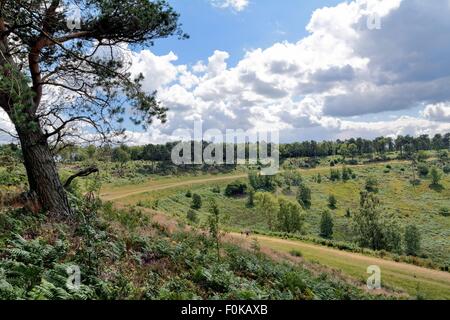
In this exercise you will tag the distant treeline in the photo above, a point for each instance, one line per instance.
(346, 148)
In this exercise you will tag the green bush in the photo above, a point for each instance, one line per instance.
(444, 212)
(423, 169)
(326, 225)
(335, 175)
(236, 188)
(192, 216)
(412, 240)
(446, 169)
(332, 202)
(372, 185)
(304, 197)
(196, 201)
(296, 253)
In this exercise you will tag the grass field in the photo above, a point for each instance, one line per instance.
(168, 195)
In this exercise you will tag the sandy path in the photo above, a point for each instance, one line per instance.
(116, 194)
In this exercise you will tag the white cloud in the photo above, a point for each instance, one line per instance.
(437, 112)
(237, 5)
(340, 70)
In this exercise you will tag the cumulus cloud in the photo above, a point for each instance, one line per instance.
(341, 69)
(437, 112)
(237, 5)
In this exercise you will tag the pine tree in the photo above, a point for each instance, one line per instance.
(326, 225)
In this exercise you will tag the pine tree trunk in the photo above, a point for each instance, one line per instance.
(43, 174)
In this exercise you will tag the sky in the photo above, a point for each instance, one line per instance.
(312, 69)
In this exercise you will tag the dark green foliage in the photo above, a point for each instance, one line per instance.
(346, 173)
(216, 189)
(446, 169)
(372, 185)
(412, 240)
(189, 194)
(236, 188)
(445, 212)
(319, 178)
(192, 216)
(326, 225)
(304, 196)
(289, 216)
(367, 222)
(296, 253)
(335, 175)
(251, 198)
(436, 176)
(292, 178)
(214, 226)
(423, 169)
(262, 182)
(196, 202)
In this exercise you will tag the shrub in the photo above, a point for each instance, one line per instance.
(236, 188)
(335, 175)
(326, 225)
(289, 218)
(444, 212)
(332, 202)
(412, 240)
(216, 189)
(346, 173)
(423, 169)
(319, 178)
(348, 213)
(196, 202)
(371, 185)
(192, 216)
(189, 194)
(446, 169)
(251, 198)
(296, 253)
(304, 197)
(436, 176)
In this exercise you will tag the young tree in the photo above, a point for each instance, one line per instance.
(304, 196)
(412, 240)
(372, 185)
(326, 225)
(289, 216)
(192, 216)
(332, 202)
(367, 222)
(267, 204)
(436, 177)
(196, 202)
(214, 225)
(55, 79)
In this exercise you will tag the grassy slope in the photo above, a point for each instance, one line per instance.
(415, 280)
(395, 192)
